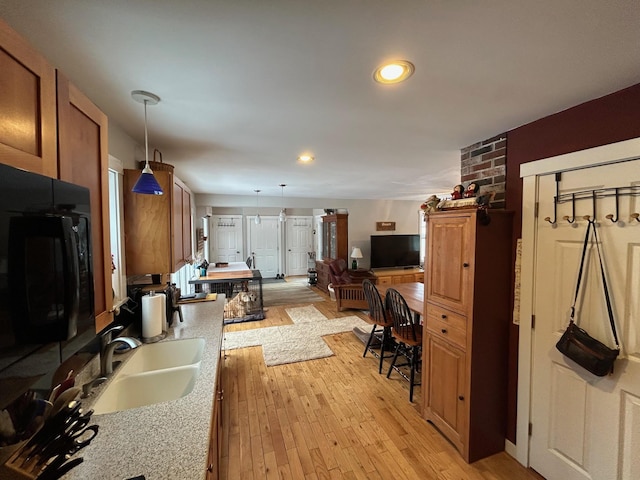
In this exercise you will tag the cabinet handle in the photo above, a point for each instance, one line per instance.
(465, 265)
(460, 398)
(444, 330)
(210, 467)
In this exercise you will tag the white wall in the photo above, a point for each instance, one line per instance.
(363, 214)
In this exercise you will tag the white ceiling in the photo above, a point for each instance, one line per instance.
(247, 85)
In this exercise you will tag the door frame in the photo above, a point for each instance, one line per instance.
(530, 173)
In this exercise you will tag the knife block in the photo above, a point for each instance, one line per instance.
(27, 472)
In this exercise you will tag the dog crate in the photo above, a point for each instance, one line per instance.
(243, 296)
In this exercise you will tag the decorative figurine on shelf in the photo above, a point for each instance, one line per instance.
(457, 192)
(472, 190)
(430, 205)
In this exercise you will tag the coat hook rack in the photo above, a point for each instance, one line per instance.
(595, 195)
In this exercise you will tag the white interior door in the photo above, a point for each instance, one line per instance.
(227, 239)
(584, 426)
(299, 241)
(263, 245)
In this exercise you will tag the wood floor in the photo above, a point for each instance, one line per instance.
(333, 418)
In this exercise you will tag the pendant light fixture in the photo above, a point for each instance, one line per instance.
(283, 215)
(147, 183)
(257, 219)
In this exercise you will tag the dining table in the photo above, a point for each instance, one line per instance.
(412, 292)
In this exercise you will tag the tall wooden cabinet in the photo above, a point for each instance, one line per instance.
(335, 237)
(467, 315)
(157, 227)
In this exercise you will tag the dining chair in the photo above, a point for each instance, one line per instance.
(407, 332)
(377, 317)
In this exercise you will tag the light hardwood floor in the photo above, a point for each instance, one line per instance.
(333, 418)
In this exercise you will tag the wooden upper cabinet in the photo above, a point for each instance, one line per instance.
(157, 227)
(335, 235)
(181, 224)
(83, 160)
(27, 106)
(449, 262)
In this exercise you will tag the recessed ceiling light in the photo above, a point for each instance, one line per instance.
(394, 72)
(306, 158)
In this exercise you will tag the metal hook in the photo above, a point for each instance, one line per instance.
(555, 202)
(573, 210)
(610, 217)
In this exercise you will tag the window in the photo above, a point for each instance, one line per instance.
(118, 277)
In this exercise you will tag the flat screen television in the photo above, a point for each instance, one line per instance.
(388, 251)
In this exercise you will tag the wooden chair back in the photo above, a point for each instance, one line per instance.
(404, 325)
(377, 310)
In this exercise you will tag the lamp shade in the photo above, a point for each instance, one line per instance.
(147, 183)
(356, 253)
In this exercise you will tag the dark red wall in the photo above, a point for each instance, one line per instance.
(609, 119)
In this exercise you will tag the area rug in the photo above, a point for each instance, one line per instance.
(286, 293)
(294, 343)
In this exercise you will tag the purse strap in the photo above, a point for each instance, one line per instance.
(591, 224)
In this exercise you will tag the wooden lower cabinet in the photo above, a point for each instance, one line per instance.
(444, 392)
(393, 276)
(322, 271)
(215, 445)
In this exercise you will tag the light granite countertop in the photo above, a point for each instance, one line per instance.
(168, 440)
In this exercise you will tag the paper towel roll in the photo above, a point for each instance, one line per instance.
(153, 314)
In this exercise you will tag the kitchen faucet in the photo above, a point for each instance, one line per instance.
(108, 347)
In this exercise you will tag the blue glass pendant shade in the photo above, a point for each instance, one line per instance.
(147, 184)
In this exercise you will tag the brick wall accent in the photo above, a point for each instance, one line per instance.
(485, 163)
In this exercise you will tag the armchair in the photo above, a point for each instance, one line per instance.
(347, 285)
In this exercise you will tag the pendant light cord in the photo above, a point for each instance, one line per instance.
(146, 137)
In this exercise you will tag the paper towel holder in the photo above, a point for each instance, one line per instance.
(162, 335)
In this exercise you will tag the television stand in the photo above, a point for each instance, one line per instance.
(389, 276)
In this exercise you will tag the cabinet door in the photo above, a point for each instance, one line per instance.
(181, 227)
(83, 160)
(444, 401)
(449, 270)
(147, 226)
(176, 230)
(28, 106)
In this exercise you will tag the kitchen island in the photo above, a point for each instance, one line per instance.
(168, 440)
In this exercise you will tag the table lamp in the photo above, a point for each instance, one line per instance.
(355, 254)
